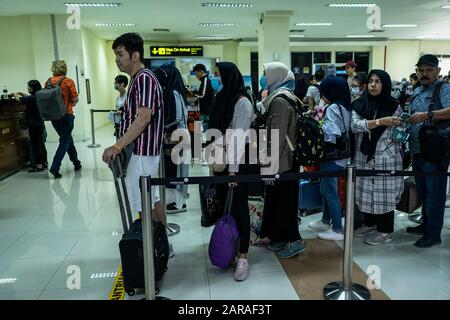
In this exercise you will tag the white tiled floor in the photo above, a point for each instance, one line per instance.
(49, 225)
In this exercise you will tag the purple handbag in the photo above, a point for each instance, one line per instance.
(224, 243)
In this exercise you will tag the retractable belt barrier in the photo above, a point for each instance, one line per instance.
(288, 177)
(93, 144)
(340, 290)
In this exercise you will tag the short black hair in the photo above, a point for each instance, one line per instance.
(121, 79)
(361, 78)
(132, 42)
(319, 75)
(199, 67)
(414, 76)
(35, 86)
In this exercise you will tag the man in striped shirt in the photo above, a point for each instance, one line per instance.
(142, 119)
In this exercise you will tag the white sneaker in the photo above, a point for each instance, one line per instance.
(331, 235)
(319, 226)
(365, 231)
(242, 270)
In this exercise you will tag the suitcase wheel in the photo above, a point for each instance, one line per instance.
(130, 292)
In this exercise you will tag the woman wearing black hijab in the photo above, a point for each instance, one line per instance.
(233, 110)
(336, 126)
(175, 117)
(374, 117)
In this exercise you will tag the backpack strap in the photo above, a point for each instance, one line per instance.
(60, 81)
(49, 85)
(435, 96)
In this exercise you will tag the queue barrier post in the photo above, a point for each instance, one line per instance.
(346, 289)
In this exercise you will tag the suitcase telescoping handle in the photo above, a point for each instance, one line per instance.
(122, 194)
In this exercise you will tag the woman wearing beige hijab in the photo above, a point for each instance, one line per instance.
(281, 202)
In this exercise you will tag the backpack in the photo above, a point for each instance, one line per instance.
(50, 102)
(434, 137)
(309, 148)
(224, 243)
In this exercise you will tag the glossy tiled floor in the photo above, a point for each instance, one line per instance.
(48, 226)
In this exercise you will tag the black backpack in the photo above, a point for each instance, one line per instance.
(309, 149)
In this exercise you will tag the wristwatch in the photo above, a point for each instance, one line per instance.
(430, 115)
(377, 122)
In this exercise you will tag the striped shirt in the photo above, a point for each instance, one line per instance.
(144, 91)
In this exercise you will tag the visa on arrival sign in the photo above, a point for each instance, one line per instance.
(157, 51)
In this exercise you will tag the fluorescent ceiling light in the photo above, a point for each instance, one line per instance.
(212, 37)
(360, 36)
(446, 7)
(351, 5)
(104, 275)
(114, 4)
(218, 24)
(296, 36)
(8, 280)
(115, 24)
(227, 5)
(400, 25)
(313, 24)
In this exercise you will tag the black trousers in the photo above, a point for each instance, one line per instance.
(384, 222)
(239, 211)
(280, 212)
(36, 133)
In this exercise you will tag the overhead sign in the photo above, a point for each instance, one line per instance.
(176, 51)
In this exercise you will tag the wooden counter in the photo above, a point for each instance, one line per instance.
(14, 138)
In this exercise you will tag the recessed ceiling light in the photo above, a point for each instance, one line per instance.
(114, 4)
(351, 5)
(313, 24)
(115, 24)
(400, 25)
(212, 37)
(446, 7)
(360, 36)
(296, 36)
(218, 24)
(227, 5)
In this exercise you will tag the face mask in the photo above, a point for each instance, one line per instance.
(355, 91)
(116, 86)
(263, 82)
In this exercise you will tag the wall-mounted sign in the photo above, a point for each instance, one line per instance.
(176, 51)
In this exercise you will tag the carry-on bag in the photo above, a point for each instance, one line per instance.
(131, 244)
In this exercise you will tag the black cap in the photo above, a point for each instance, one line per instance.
(428, 59)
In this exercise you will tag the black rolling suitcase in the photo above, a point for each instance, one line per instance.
(131, 244)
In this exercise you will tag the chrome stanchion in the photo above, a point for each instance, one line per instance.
(93, 144)
(172, 228)
(347, 290)
(147, 237)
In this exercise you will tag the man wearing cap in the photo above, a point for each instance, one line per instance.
(431, 189)
(350, 68)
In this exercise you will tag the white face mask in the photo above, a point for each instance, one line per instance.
(355, 91)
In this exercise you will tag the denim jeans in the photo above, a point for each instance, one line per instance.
(64, 129)
(433, 192)
(332, 211)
